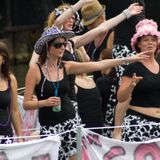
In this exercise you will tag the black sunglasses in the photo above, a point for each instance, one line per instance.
(59, 44)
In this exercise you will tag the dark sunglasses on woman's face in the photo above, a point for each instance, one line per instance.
(58, 44)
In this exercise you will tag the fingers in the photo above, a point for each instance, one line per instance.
(135, 8)
(136, 79)
(144, 55)
(53, 101)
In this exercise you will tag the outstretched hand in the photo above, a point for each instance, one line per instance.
(135, 9)
(140, 56)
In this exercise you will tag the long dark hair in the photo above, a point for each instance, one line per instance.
(43, 56)
(5, 64)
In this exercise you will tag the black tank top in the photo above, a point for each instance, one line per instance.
(45, 90)
(89, 105)
(5, 122)
(94, 53)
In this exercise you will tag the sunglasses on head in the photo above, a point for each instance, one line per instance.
(58, 44)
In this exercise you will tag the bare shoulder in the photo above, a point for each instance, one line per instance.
(13, 78)
(33, 67)
(33, 70)
(13, 81)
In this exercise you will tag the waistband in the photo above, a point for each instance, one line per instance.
(149, 118)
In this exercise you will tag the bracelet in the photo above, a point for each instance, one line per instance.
(124, 60)
(72, 9)
(127, 13)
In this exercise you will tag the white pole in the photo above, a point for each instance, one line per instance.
(79, 142)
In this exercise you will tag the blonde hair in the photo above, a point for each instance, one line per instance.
(52, 16)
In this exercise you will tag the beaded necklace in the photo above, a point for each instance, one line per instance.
(55, 85)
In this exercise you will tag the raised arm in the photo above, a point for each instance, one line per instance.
(76, 68)
(84, 39)
(70, 11)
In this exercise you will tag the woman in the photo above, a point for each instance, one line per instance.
(67, 22)
(89, 100)
(9, 113)
(140, 81)
(49, 79)
(66, 18)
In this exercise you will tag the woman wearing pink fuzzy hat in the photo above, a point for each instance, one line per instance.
(140, 81)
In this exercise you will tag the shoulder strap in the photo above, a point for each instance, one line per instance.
(40, 69)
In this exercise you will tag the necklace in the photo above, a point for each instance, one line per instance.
(55, 85)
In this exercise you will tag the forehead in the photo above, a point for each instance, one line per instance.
(149, 36)
(59, 39)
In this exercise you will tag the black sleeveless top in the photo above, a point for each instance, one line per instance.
(94, 53)
(89, 105)
(68, 56)
(44, 90)
(146, 93)
(5, 112)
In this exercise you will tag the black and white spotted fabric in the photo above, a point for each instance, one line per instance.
(119, 51)
(68, 145)
(141, 132)
(6, 139)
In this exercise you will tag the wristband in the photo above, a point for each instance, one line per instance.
(124, 60)
(127, 13)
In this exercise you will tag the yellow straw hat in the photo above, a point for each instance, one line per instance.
(91, 12)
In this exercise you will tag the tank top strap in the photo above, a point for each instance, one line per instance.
(40, 69)
(105, 41)
(107, 36)
(72, 43)
(9, 85)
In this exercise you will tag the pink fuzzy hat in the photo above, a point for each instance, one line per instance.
(144, 27)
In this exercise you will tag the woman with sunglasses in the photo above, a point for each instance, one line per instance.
(69, 23)
(49, 79)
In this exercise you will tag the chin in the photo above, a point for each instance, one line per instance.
(69, 29)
